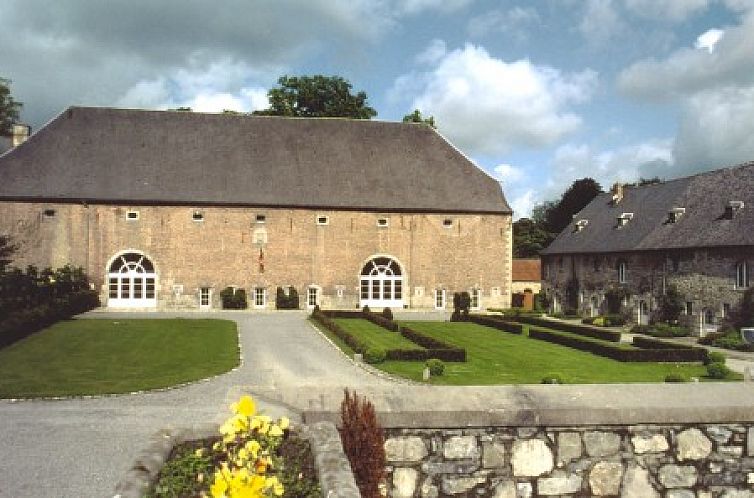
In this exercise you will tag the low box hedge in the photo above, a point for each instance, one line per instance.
(497, 323)
(351, 340)
(439, 349)
(615, 352)
(574, 328)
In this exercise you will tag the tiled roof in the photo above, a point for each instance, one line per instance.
(133, 156)
(526, 270)
(704, 198)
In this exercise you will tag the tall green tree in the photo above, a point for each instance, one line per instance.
(315, 97)
(529, 237)
(579, 194)
(9, 108)
(416, 117)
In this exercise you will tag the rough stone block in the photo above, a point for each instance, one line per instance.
(524, 490)
(680, 493)
(656, 443)
(718, 434)
(506, 489)
(493, 455)
(734, 451)
(737, 493)
(605, 478)
(677, 476)
(549, 486)
(569, 447)
(636, 484)
(461, 447)
(750, 442)
(531, 457)
(599, 444)
(405, 449)
(458, 485)
(428, 489)
(404, 482)
(692, 444)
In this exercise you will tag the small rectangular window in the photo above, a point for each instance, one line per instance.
(261, 218)
(339, 291)
(49, 213)
(689, 308)
(260, 297)
(726, 310)
(440, 299)
(132, 215)
(447, 223)
(382, 222)
(197, 216)
(475, 299)
(323, 220)
(204, 297)
(312, 297)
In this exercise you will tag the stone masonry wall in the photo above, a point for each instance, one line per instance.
(644, 461)
(473, 251)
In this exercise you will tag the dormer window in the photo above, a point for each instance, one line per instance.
(732, 209)
(675, 214)
(625, 218)
(580, 225)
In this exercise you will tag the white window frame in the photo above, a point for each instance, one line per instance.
(440, 299)
(132, 215)
(447, 223)
(131, 273)
(197, 216)
(256, 294)
(260, 218)
(322, 220)
(205, 292)
(476, 294)
(381, 282)
(317, 292)
(383, 222)
(742, 275)
(622, 272)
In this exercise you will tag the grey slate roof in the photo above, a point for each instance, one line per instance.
(135, 156)
(704, 196)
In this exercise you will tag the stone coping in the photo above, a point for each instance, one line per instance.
(552, 405)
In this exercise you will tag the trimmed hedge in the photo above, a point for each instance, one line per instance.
(435, 348)
(381, 321)
(574, 328)
(609, 350)
(353, 342)
(20, 324)
(497, 323)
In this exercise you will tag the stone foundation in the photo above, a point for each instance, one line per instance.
(642, 461)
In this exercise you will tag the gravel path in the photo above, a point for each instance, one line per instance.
(82, 447)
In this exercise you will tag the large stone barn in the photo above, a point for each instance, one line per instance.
(166, 209)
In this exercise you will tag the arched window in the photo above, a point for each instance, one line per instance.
(132, 282)
(742, 275)
(381, 283)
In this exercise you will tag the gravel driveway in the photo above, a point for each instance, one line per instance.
(82, 447)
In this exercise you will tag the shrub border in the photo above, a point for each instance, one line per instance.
(497, 323)
(585, 330)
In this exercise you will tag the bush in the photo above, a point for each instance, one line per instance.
(374, 356)
(675, 378)
(233, 299)
(366, 309)
(381, 321)
(287, 301)
(461, 303)
(715, 357)
(436, 367)
(717, 371)
(497, 323)
(552, 378)
(574, 328)
(387, 314)
(614, 320)
(363, 443)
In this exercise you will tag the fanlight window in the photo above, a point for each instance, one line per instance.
(382, 283)
(131, 281)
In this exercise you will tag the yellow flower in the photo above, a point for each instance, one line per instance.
(219, 487)
(199, 453)
(245, 406)
(284, 423)
(253, 447)
(276, 431)
(275, 485)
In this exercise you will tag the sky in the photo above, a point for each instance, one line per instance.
(538, 93)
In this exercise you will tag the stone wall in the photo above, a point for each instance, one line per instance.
(450, 251)
(704, 277)
(639, 461)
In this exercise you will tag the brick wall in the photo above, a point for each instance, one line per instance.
(219, 251)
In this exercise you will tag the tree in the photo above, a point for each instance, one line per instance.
(416, 117)
(6, 251)
(670, 305)
(315, 97)
(9, 108)
(529, 237)
(579, 194)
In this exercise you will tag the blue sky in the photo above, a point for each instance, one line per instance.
(538, 93)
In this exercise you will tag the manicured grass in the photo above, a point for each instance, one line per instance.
(100, 356)
(496, 357)
(375, 335)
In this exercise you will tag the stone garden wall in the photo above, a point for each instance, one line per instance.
(637, 461)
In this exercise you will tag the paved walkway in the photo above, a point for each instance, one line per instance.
(82, 447)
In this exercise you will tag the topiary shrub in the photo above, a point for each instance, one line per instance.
(363, 443)
(387, 314)
(717, 371)
(461, 304)
(366, 309)
(675, 378)
(436, 367)
(233, 299)
(552, 378)
(374, 355)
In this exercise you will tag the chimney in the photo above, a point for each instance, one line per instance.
(617, 192)
(19, 134)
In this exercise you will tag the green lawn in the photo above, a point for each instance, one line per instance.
(375, 335)
(496, 357)
(116, 356)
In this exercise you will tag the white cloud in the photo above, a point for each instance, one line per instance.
(511, 22)
(418, 6)
(667, 10)
(522, 203)
(507, 174)
(601, 22)
(435, 51)
(708, 40)
(486, 105)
